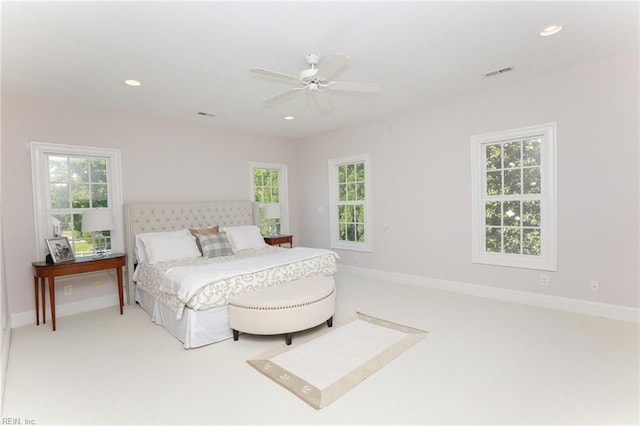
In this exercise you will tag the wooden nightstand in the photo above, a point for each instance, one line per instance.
(278, 240)
(42, 270)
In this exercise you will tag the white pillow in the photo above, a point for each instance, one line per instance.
(162, 249)
(244, 237)
(141, 251)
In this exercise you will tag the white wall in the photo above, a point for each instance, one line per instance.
(421, 183)
(5, 323)
(162, 160)
(421, 178)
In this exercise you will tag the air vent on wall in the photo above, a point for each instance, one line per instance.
(500, 71)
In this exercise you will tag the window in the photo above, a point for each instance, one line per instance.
(350, 183)
(269, 187)
(68, 180)
(514, 198)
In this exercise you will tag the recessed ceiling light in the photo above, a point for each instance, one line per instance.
(551, 30)
(288, 117)
(133, 83)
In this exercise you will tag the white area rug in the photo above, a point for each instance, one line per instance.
(323, 369)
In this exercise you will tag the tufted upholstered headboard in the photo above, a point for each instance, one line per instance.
(164, 216)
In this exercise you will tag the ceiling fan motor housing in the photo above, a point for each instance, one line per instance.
(312, 59)
(308, 74)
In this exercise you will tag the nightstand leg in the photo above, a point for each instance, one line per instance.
(44, 301)
(120, 289)
(52, 300)
(37, 292)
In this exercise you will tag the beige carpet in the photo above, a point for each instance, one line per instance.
(321, 370)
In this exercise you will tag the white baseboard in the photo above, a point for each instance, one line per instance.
(29, 317)
(615, 312)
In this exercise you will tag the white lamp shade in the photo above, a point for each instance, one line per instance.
(271, 211)
(97, 220)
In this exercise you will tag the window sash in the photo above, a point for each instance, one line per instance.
(512, 239)
(350, 198)
(44, 211)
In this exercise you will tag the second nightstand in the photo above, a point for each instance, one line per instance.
(278, 240)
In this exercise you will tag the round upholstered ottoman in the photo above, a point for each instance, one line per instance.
(284, 308)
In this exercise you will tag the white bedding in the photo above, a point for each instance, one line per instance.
(204, 283)
(186, 281)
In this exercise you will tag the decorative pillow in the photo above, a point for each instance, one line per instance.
(244, 237)
(203, 231)
(141, 239)
(209, 230)
(176, 248)
(214, 244)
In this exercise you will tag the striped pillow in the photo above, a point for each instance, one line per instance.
(214, 244)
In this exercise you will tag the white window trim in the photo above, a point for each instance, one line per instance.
(548, 259)
(41, 197)
(336, 243)
(283, 190)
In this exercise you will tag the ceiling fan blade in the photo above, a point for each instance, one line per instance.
(275, 74)
(334, 66)
(322, 100)
(284, 95)
(354, 86)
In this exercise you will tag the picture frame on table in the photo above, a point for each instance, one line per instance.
(60, 249)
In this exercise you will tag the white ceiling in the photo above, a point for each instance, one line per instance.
(195, 57)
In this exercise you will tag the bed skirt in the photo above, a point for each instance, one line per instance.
(195, 328)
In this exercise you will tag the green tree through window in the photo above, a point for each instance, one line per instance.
(514, 198)
(76, 184)
(512, 206)
(267, 186)
(351, 189)
(350, 202)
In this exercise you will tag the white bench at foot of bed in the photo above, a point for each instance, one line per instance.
(284, 308)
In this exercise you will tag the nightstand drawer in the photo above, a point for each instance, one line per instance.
(278, 240)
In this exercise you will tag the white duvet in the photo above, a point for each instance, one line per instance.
(187, 281)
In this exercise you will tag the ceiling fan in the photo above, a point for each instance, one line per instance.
(318, 82)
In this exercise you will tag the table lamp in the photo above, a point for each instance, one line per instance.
(97, 221)
(271, 212)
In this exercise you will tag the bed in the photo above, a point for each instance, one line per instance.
(187, 292)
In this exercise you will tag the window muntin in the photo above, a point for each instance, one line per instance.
(514, 198)
(350, 201)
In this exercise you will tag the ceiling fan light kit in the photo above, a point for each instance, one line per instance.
(318, 81)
